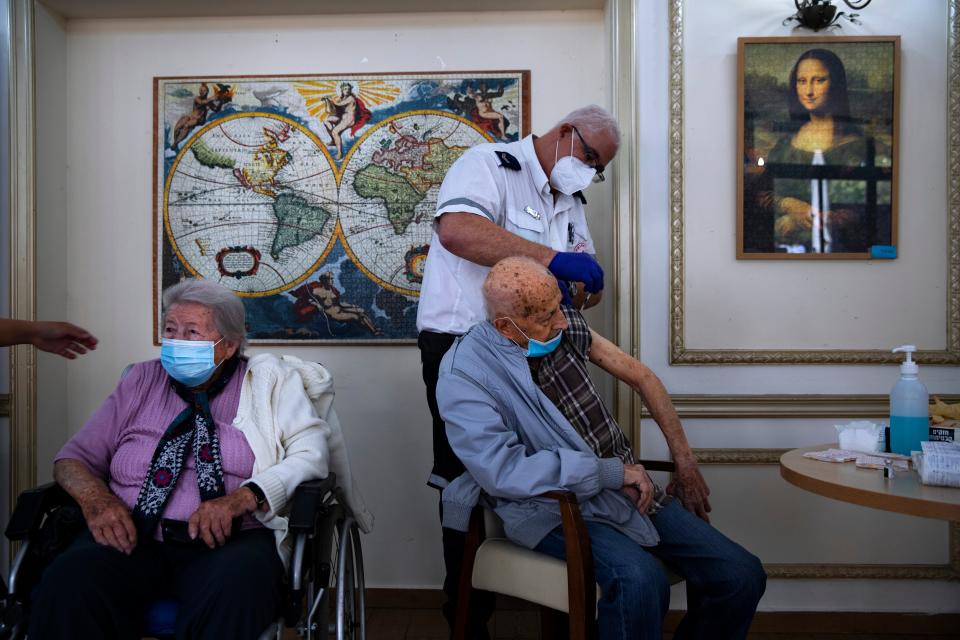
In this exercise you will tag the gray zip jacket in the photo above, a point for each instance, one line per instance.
(515, 444)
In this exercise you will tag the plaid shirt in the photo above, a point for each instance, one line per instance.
(562, 376)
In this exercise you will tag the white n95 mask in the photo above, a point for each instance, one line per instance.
(570, 174)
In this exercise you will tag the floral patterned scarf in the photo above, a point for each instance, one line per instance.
(194, 429)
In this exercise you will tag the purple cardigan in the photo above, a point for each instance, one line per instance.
(118, 441)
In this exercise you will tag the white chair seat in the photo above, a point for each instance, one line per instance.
(504, 567)
(507, 568)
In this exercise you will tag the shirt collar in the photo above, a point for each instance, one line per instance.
(488, 334)
(529, 154)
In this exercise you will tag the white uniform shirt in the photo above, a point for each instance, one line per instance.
(521, 202)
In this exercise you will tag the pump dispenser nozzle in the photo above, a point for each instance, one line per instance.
(908, 366)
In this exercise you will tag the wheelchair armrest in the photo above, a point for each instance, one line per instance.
(658, 465)
(32, 506)
(307, 503)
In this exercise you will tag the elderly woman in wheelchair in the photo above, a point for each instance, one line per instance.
(184, 476)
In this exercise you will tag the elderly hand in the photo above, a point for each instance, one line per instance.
(109, 521)
(213, 519)
(635, 477)
(691, 489)
(62, 338)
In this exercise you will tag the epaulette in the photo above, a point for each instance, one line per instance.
(507, 161)
(579, 196)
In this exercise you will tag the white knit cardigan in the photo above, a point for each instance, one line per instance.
(286, 414)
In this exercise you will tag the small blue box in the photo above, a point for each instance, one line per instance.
(883, 251)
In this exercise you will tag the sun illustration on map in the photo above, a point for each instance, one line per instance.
(250, 201)
(317, 94)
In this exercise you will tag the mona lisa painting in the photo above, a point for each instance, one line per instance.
(817, 147)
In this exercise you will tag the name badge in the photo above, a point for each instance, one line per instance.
(533, 213)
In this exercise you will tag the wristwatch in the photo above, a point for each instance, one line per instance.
(258, 494)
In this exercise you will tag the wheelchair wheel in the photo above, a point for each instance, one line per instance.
(351, 621)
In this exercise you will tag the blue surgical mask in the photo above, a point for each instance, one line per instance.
(537, 348)
(189, 362)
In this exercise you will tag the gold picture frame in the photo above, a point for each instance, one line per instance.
(817, 139)
(681, 354)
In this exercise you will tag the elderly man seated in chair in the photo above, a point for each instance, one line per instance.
(524, 417)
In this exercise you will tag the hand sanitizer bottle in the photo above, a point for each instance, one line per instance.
(909, 412)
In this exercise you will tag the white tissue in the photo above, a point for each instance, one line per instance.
(860, 435)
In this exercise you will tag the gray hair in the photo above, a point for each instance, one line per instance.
(593, 119)
(229, 316)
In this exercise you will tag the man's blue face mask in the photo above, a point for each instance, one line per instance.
(189, 362)
(537, 348)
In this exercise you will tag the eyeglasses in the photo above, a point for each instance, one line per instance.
(592, 157)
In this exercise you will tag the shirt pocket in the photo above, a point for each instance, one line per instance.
(577, 239)
(521, 223)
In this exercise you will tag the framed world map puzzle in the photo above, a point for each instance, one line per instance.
(313, 196)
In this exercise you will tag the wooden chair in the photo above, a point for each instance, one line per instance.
(492, 563)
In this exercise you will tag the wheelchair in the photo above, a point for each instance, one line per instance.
(326, 563)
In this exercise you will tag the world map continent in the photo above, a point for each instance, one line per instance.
(402, 175)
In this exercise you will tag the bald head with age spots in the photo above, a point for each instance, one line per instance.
(523, 300)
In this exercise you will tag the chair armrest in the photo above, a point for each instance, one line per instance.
(581, 583)
(658, 465)
(32, 506)
(307, 503)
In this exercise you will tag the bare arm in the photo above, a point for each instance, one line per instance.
(478, 240)
(61, 338)
(106, 515)
(688, 484)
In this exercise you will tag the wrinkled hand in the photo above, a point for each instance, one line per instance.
(691, 489)
(578, 267)
(635, 478)
(62, 338)
(213, 519)
(632, 494)
(109, 521)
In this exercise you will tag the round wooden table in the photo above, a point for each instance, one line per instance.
(844, 481)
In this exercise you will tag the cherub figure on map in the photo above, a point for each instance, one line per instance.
(346, 112)
(477, 105)
(198, 115)
(322, 295)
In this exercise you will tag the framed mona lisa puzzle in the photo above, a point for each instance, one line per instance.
(817, 147)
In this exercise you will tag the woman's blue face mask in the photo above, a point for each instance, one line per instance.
(189, 362)
(537, 348)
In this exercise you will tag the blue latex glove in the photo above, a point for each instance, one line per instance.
(565, 292)
(578, 267)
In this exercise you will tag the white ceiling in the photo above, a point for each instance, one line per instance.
(71, 9)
